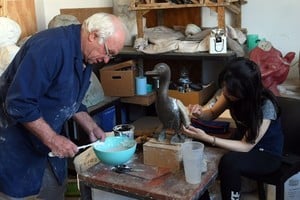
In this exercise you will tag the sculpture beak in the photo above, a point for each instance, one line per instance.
(152, 73)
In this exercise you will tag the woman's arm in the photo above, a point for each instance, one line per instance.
(233, 145)
(198, 111)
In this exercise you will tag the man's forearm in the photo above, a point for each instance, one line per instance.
(41, 129)
(85, 121)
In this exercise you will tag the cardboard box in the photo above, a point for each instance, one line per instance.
(195, 97)
(162, 155)
(119, 79)
(292, 187)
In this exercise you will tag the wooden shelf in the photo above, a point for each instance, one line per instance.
(142, 7)
(144, 100)
(169, 5)
(131, 53)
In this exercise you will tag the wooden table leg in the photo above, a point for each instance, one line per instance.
(85, 191)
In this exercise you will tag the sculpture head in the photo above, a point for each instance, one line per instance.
(162, 73)
(161, 70)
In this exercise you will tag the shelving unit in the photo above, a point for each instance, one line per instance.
(144, 6)
(207, 66)
(3, 8)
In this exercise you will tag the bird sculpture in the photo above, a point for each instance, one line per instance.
(170, 111)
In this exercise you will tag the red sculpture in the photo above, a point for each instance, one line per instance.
(274, 68)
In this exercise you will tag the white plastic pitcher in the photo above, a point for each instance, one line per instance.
(192, 154)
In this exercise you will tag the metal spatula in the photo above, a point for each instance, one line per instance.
(51, 154)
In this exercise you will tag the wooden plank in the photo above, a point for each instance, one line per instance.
(158, 6)
(3, 8)
(221, 15)
(183, 17)
(82, 13)
(238, 16)
(195, 1)
(145, 100)
(23, 12)
(234, 9)
(139, 21)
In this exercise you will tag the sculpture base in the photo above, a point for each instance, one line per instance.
(162, 154)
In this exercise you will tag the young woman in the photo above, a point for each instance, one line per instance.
(257, 145)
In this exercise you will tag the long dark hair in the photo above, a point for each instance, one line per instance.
(242, 79)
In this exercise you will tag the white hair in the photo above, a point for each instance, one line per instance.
(103, 24)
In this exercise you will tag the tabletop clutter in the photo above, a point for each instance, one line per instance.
(118, 150)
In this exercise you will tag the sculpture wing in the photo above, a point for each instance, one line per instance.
(184, 114)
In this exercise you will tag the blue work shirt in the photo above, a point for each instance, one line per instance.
(47, 79)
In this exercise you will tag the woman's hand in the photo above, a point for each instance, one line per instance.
(194, 132)
(195, 110)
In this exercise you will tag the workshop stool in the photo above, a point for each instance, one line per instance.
(290, 116)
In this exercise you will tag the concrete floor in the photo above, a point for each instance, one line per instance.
(246, 197)
(249, 191)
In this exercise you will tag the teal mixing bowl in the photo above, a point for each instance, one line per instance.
(115, 150)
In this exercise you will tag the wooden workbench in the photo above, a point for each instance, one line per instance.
(165, 185)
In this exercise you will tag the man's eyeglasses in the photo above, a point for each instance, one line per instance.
(107, 52)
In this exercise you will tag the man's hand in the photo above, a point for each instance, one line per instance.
(97, 134)
(59, 145)
(62, 147)
(90, 126)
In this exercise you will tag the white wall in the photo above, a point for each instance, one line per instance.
(47, 9)
(276, 21)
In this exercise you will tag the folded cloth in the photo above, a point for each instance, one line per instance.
(193, 46)
(214, 127)
(162, 47)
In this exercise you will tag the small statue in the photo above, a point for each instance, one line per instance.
(10, 32)
(170, 111)
(62, 20)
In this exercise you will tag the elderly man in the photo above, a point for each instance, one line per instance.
(42, 88)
